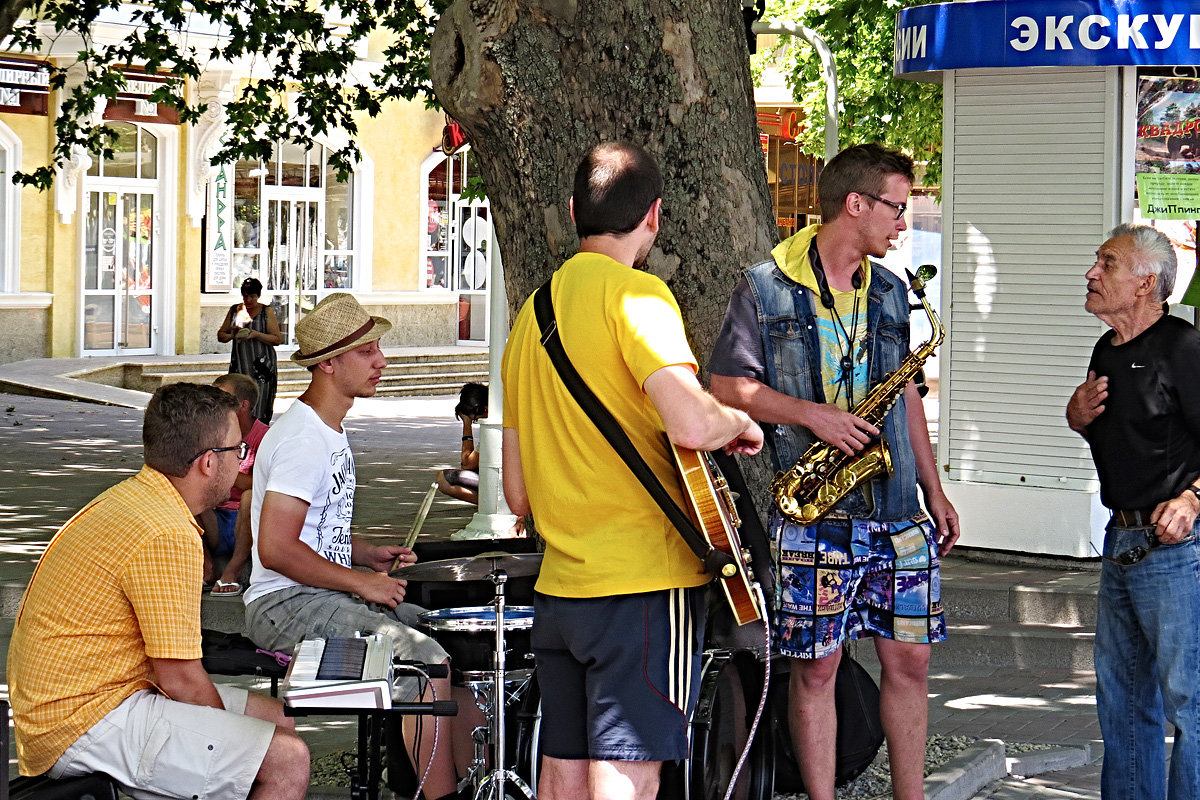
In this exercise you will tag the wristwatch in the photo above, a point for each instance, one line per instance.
(1194, 490)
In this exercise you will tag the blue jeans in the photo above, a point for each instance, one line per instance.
(1148, 669)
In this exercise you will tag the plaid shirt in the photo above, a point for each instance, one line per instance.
(119, 584)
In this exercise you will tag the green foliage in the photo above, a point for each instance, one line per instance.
(297, 46)
(873, 105)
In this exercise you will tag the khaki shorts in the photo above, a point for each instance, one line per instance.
(284, 618)
(156, 747)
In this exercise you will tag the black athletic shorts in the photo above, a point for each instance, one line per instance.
(619, 675)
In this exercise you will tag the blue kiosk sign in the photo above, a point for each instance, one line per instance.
(1046, 33)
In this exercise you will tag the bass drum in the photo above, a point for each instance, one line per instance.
(522, 727)
(730, 689)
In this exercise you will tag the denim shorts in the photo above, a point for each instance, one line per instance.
(226, 522)
(845, 578)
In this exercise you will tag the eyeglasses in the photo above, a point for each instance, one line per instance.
(242, 448)
(1134, 555)
(900, 207)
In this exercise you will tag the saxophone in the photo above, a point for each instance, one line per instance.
(824, 474)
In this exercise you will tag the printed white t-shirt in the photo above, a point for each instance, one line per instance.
(303, 457)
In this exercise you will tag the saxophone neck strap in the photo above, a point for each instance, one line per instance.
(543, 307)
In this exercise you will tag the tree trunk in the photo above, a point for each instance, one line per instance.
(536, 83)
(10, 12)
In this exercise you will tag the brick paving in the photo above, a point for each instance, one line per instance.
(59, 454)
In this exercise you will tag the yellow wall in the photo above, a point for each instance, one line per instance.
(47, 246)
(398, 140)
(36, 206)
(187, 261)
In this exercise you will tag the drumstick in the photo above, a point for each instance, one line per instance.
(423, 512)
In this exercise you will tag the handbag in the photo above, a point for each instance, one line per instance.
(261, 370)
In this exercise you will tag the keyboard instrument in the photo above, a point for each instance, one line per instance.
(350, 672)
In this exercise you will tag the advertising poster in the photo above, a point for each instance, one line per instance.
(1168, 125)
(218, 273)
(1167, 168)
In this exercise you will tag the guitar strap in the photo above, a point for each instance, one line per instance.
(543, 307)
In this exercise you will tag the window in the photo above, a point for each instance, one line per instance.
(135, 154)
(10, 211)
(293, 168)
(294, 228)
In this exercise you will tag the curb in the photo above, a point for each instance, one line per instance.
(963, 776)
(10, 598)
(1039, 761)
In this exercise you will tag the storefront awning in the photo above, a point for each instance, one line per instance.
(1045, 33)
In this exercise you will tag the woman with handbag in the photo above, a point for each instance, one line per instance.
(254, 331)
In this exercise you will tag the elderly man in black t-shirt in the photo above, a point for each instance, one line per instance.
(1139, 409)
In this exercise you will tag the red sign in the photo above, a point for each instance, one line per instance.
(790, 126)
(768, 119)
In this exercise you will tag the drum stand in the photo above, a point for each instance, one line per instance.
(492, 784)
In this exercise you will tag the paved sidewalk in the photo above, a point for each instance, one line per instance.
(59, 454)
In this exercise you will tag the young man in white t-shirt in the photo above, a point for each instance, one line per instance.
(303, 583)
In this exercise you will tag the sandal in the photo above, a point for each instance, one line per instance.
(223, 589)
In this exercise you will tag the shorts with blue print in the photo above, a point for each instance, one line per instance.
(846, 578)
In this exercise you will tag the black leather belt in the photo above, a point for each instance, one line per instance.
(1132, 517)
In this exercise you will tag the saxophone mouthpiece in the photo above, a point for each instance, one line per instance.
(924, 274)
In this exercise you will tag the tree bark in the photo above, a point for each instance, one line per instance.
(10, 12)
(536, 83)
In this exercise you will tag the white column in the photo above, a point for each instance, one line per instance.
(493, 519)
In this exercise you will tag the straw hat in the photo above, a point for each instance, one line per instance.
(337, 324)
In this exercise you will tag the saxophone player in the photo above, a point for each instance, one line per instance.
(806, 336)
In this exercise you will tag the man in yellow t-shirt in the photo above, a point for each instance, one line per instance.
(104, 666)
(618, 693)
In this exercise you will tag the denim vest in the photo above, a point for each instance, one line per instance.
(792, 357)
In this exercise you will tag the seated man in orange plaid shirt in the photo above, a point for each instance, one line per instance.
(104, 666)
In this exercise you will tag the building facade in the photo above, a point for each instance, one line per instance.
(143, 252)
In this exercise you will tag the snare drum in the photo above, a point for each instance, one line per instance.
(469, 636)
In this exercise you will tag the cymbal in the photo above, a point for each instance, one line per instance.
(475, 568)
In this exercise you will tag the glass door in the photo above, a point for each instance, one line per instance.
(293, 257)
(118, 271)
(454, 245)
(472, 269)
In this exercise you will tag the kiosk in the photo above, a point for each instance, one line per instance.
(1041, 101)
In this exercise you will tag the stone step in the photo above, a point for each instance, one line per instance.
(393, 373)
(402, 385)
(1025, 646)
(225, 614)
(1037, 604)
(1005, 645)
(405, 375)
(1017, 616)
(1017, 789)
(220, 363)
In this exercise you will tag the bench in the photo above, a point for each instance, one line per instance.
(39, 787)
